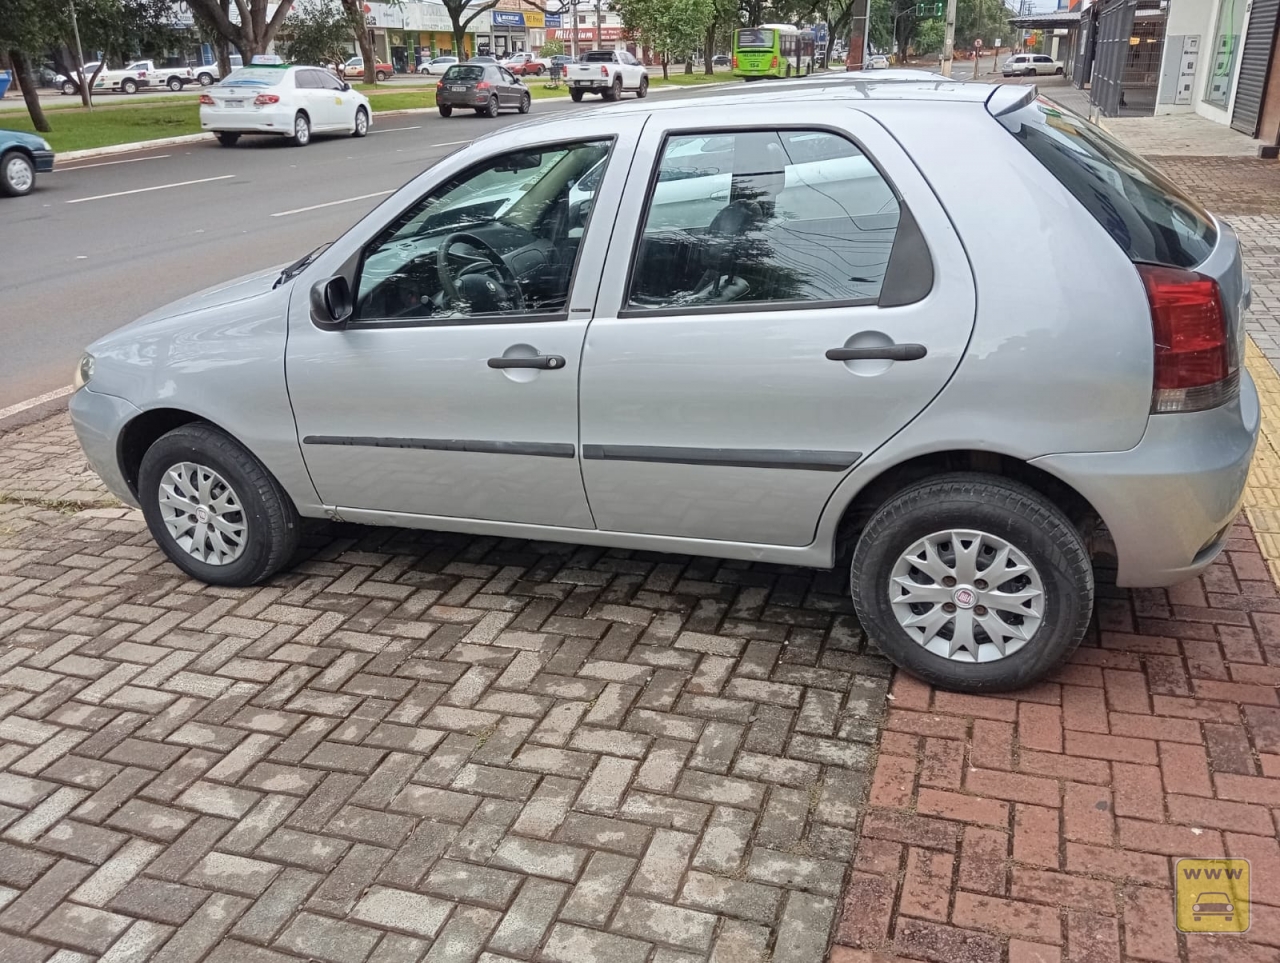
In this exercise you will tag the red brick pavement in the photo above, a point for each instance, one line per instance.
(1043, 824)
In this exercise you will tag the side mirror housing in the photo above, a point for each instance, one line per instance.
(346, 86)
(331, 303)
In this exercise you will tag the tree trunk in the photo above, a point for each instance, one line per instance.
(688, 64)
(666, 62)
(222, 54)
(459, 34)
(709, 50)
(366, 51)
(22, 67)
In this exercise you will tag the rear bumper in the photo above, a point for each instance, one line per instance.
(471, 98)
(1168, 501)
(249, 120)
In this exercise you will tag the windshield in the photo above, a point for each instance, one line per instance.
(464, 74)
(253, 77)
(755, 38)
(598, 57)
(1143, 211)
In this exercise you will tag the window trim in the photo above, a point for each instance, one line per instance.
(491, 318)
(626, 311)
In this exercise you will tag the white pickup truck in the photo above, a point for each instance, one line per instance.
(607, 73)
(144, 73)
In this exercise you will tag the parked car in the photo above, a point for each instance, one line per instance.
(354, 69)
(483, 59)
(22, 156)
(680, 349)
(1030, 65)
(486, 88)
(288, 101)
(523, 64)
(607, 73)
(208, 74)
(126, 80)
(721, 60)
(438, 65)
(560, 60)
(71, 85)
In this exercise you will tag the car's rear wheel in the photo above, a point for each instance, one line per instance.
(575, 96)
(1029, 72)
(227, 138)
(446, 110)
(972, 583)
(362, 123)
(380, 75)
(1058, 72)
(301, 130)
(206, 79)
(174, 84)
(491, 109)
(129, 86)
(643, 90)
(214, 509)
(526, 102)
(69, 88)
(17, 174)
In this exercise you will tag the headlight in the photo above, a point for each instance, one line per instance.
(84, 372)
(44, 144)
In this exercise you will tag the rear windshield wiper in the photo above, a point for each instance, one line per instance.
(300, 265)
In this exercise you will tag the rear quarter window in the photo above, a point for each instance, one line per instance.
(1144, 212)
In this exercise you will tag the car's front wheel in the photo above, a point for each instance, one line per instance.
(526, 102)
(973, 583)
(1029, 72)
(206, 79)
(380, 75)
(174, 84)
(17, 174)
(69, 88)
(643, 90)
(214, 509)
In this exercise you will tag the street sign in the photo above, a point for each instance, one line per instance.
(978, 43)
(926, 10)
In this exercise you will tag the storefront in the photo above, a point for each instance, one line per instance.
(516, 31)
(408, 34)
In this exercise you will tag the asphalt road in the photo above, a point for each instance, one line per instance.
(102, 241)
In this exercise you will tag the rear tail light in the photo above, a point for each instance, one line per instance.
(774, 62)
(1196, 366)
(734, 63)
(439, 85)
(262, 100)
(604, 71)
(206, 99)
(483, 85)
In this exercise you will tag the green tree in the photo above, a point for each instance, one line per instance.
(551, 48)
(461, 13)
(929, 36)
(669, 27)
(315, 33)
(256, 29)
(354, 13)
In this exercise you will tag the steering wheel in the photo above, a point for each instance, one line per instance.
(505, 274)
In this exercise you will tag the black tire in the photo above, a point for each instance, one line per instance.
(986, 503)
(129, 86)
(615, 89)
(270, 518)
(575, 95)
(446, 110)
(380, 75)
(361, 128)
(788, 70)
(69, 89)
(17, 174)
(227, 138)
(301, 130)
(206, 79)
(174, 84)
(1029, 72)
(643, 90)
(1058, 72)
(539, 70)
(491, 109)
(526, 102)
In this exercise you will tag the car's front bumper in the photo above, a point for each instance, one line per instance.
(98, 420)
(44, 161)
(1169, 501)
(249, 120)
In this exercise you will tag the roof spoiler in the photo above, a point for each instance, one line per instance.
(1007, 98)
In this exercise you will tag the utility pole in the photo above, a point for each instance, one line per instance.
(573, 39)
(599, 26)
(949, 39)
(75, 29)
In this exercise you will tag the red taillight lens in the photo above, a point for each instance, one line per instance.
(262, 100)
(206, 99)
(483, 85)
(774, 62)
(735, 63)
(604, 71)
(1195, 363)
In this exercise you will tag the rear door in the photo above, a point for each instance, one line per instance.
(777, 302)
(510, 87)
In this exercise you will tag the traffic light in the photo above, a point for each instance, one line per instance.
(926, 10)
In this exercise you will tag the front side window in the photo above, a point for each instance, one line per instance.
(500, 239)
(763, 216)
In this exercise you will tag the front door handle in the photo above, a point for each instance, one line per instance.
(551, 361)
(888, 352)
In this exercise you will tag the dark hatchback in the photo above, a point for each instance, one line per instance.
(485, 88)
(22, 156)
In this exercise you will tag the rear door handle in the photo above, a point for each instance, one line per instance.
(888, 352)
(552, 361)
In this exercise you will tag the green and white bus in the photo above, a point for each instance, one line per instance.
(772, 50)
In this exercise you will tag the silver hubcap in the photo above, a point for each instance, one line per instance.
(301, 130)
(18, 174)
(967, 596)
(361, 121)
(202, 513)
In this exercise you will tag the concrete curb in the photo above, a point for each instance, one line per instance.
(88, 153)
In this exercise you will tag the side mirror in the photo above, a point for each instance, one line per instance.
(346, 86)
(331, 304)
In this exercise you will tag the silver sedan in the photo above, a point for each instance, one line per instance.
(747, 327)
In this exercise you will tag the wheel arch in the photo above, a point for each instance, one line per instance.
(145, 429)
(894, 478)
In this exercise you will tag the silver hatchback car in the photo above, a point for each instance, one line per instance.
(773, 326)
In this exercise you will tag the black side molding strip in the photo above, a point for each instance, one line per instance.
(727, 457)
(544, 449)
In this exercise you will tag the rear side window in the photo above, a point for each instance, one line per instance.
(1144, 212)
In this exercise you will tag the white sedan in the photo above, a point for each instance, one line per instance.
(290, 101)
(438, 65)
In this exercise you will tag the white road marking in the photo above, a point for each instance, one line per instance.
(392, 130)
(158, 187)
(345, 200)
(21, 406)
(131, 160)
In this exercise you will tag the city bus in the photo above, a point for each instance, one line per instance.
(772, 50)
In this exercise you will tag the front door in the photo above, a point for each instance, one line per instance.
(794, 297)
(453, 390)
